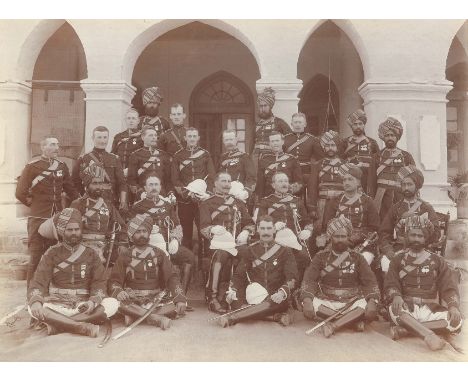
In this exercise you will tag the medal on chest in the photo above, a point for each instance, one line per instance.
(275, 262)
(59, 173)
(398, 161)
(134, 141)
(83, 271)
(104, 211)
(425, 269)
(348, 267)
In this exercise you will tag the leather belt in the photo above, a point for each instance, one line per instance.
(71, 292)
(145, 292)
(339, 293)
(421, 300)
(94, 236)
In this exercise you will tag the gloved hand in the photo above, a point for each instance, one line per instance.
(218, 230)
(398, 304)
(368, 256)
(280, 225)
(86, 306)
(321, 241)
(384, 263)
(180, 308)
(231, 295)
(143, 195)
(173, 247)
(371, 310)
(278, 297)
(37, 310)
(454, 316)
(123, 296)
(242, 238)
(305, 234)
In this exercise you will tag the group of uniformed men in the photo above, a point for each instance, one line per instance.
(290, 226)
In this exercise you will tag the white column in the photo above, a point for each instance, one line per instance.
(421, 108)
(106, 105)
(287, 92)
(15, 125)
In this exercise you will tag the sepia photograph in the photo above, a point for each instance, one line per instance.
(233, 189)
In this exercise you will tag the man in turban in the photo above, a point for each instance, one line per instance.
(67, 292)
(140, 273)
(416, 282)
(266, 124)
(152, 99)
(362, 151)
(336, 276)
(391, 159)
(411, 180)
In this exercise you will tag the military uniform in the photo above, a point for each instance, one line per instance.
(363, 152)
(40, 187)
(124, 144)
(146, 160)
(269, 165)
(388, 184)
(240, 166)
(113, 173)
(173, 140)
(187, 165)
(159, 124)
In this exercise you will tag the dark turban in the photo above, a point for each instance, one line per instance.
(390, 124)
(138, 221)
(351, 169)
(152, 95)
(414, 173)
(358, 115)
(268, 96)
(90, 172)
(339, 223)
(330, 136)
(64, 217)
(421, 222)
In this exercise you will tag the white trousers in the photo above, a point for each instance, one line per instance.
(111, 305)
(336, 305)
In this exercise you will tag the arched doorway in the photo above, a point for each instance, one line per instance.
(222, 102)
(58, 106)
(329, 57)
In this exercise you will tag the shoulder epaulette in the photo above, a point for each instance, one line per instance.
(34, 160)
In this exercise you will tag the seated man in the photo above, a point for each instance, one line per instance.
(337, 276)
(140, 273)
(415, 282)
(270, 265)
(67, 292)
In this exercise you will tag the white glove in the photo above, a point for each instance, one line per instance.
(125, 171)
(173, 246)
(218, 230)
(368, 256)
(143, 195)
(305, 234)
(231, 295)
(384, 263)
(242, 238)
(278, 297)
(321, 241)
(280, 225)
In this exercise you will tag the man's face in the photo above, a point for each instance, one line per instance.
(358, 127)
(132, 120)
(280, 183)
(330, 149)
(192, 138)
(95, 188)
(100, 139)
(141, 237)
(276, 143)
(350, 183)
(150, 138)
(177, 116)
(416, 239)
(298, 124)
(266, 231)
(72, 234)
(340, 241)
(152, 109)
(223, 183)
(408, 187)
(264, 110)
(390, 140)
(230, 141)
(51, 148)
(152, 186)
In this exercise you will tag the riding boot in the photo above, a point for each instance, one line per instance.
(432, 340)
(438, 326)
(158, 320)
(265, 308)
(212, 289)
(185, 281)
(97, 316)
(324, 312)
(61, 323)
(349, 318)
(131, 312)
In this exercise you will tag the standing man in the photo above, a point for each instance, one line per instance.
(189, 164)
(266, 124)
(128, 141)
(336, 276)
(303, 146)
(277, 161)
(152, 99)
(149, 159)
(362, 151)
(392, 229)
(40, 187)
(391, 160)
(219, 214)
(173, 139)
(271, 266)
(110, 166)
(140, 273)
(416, 282)
(68, 290)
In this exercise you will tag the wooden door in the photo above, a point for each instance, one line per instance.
(210, 127)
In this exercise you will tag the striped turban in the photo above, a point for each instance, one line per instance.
(268, 96)
(64, 217)
(339, 223)
(90, 172)
(390, 124)
(138, 221)
(351, 169)
(152, 95)
(421, 222)
(358, 115)
(414, 173)
(330, 136)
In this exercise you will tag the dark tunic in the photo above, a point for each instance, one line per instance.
(263, 130)
(159, 124)
(240, 166)
(304, 147)
(173, 140)
(124, 144)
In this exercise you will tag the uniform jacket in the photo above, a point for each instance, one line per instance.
(304, 147)
(264, 128)
(240, 166)
(124, 144)
(159, 124)
(143, 161)
(390, 161)
(173, 140)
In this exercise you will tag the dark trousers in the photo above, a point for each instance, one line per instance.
(189, 213)
(183, 256)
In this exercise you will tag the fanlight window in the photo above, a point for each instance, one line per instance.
(221, 92)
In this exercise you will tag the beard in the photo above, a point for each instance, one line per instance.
(408, 194)
(151, 111)
(390, 144)
(339, 247)
(141, 241)
(95, 193)
(358, 131)
(416, 246)
(73, 240)
(265, 115)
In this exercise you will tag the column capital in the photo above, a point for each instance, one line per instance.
(108, 90)
(17, 91)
